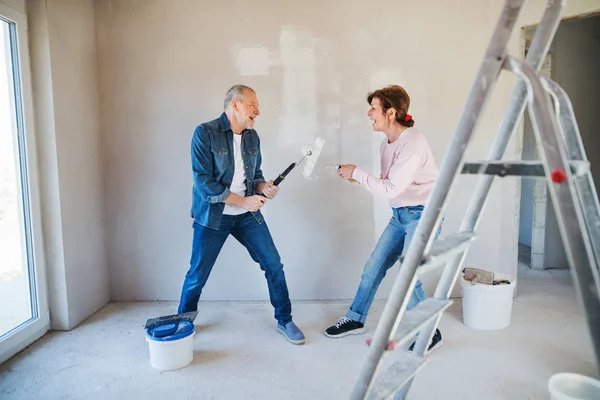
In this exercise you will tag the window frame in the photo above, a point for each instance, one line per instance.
(31, 330)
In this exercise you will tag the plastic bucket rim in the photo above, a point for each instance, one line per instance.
(552, 382)
(176, 336)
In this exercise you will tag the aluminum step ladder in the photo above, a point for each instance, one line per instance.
(563, 165)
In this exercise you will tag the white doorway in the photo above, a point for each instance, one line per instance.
(24, 315)
(573, 62)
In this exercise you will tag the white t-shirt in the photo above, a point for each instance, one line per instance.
(238, 185)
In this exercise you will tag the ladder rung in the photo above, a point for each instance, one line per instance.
(520, 168)
(400, 372)
(442, 250)
(417, 317)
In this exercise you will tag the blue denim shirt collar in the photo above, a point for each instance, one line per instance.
(225, 125)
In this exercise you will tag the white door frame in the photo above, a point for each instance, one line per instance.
(36, 327)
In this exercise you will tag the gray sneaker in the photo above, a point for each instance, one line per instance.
(291, 332)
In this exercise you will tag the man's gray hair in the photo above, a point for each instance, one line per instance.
(235, 92)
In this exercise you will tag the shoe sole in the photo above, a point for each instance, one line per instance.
(292, 341)
(358, 331)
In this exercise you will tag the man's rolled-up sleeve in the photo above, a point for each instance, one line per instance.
(203, 169)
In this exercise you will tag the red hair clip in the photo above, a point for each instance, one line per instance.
(408, 117)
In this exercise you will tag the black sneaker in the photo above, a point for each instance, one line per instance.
(436, 341)
(344, 327)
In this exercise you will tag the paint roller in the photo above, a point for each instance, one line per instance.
(310, 155)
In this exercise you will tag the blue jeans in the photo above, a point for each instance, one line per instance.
(391, 245)
(256, 238)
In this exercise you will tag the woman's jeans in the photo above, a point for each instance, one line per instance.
(391, 245)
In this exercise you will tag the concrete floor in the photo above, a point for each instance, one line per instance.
(238, 353)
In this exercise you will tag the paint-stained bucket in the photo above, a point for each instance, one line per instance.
(487, 307)
(171, 346)
(569, 386)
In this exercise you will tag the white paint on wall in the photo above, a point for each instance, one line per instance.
(330, 130)
(299, 89)
(252, 61)
(333, 116)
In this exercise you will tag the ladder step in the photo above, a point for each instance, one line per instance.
(416, 318)
(399, 373)
(442, 250)
(520, 168)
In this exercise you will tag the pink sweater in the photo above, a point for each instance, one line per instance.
(408, 171)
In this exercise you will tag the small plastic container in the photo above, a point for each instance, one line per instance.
(171, 346)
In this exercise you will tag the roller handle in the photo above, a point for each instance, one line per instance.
(282, 176)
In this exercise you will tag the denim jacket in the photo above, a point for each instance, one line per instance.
(213, 168)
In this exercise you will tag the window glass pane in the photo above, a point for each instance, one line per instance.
(15, 277)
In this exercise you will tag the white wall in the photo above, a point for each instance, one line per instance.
(18, 5)
(576, 66)
(63, 46)
(163, 69)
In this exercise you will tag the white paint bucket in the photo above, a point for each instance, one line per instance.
(171, 346)
(487, 307)
(570, 386)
